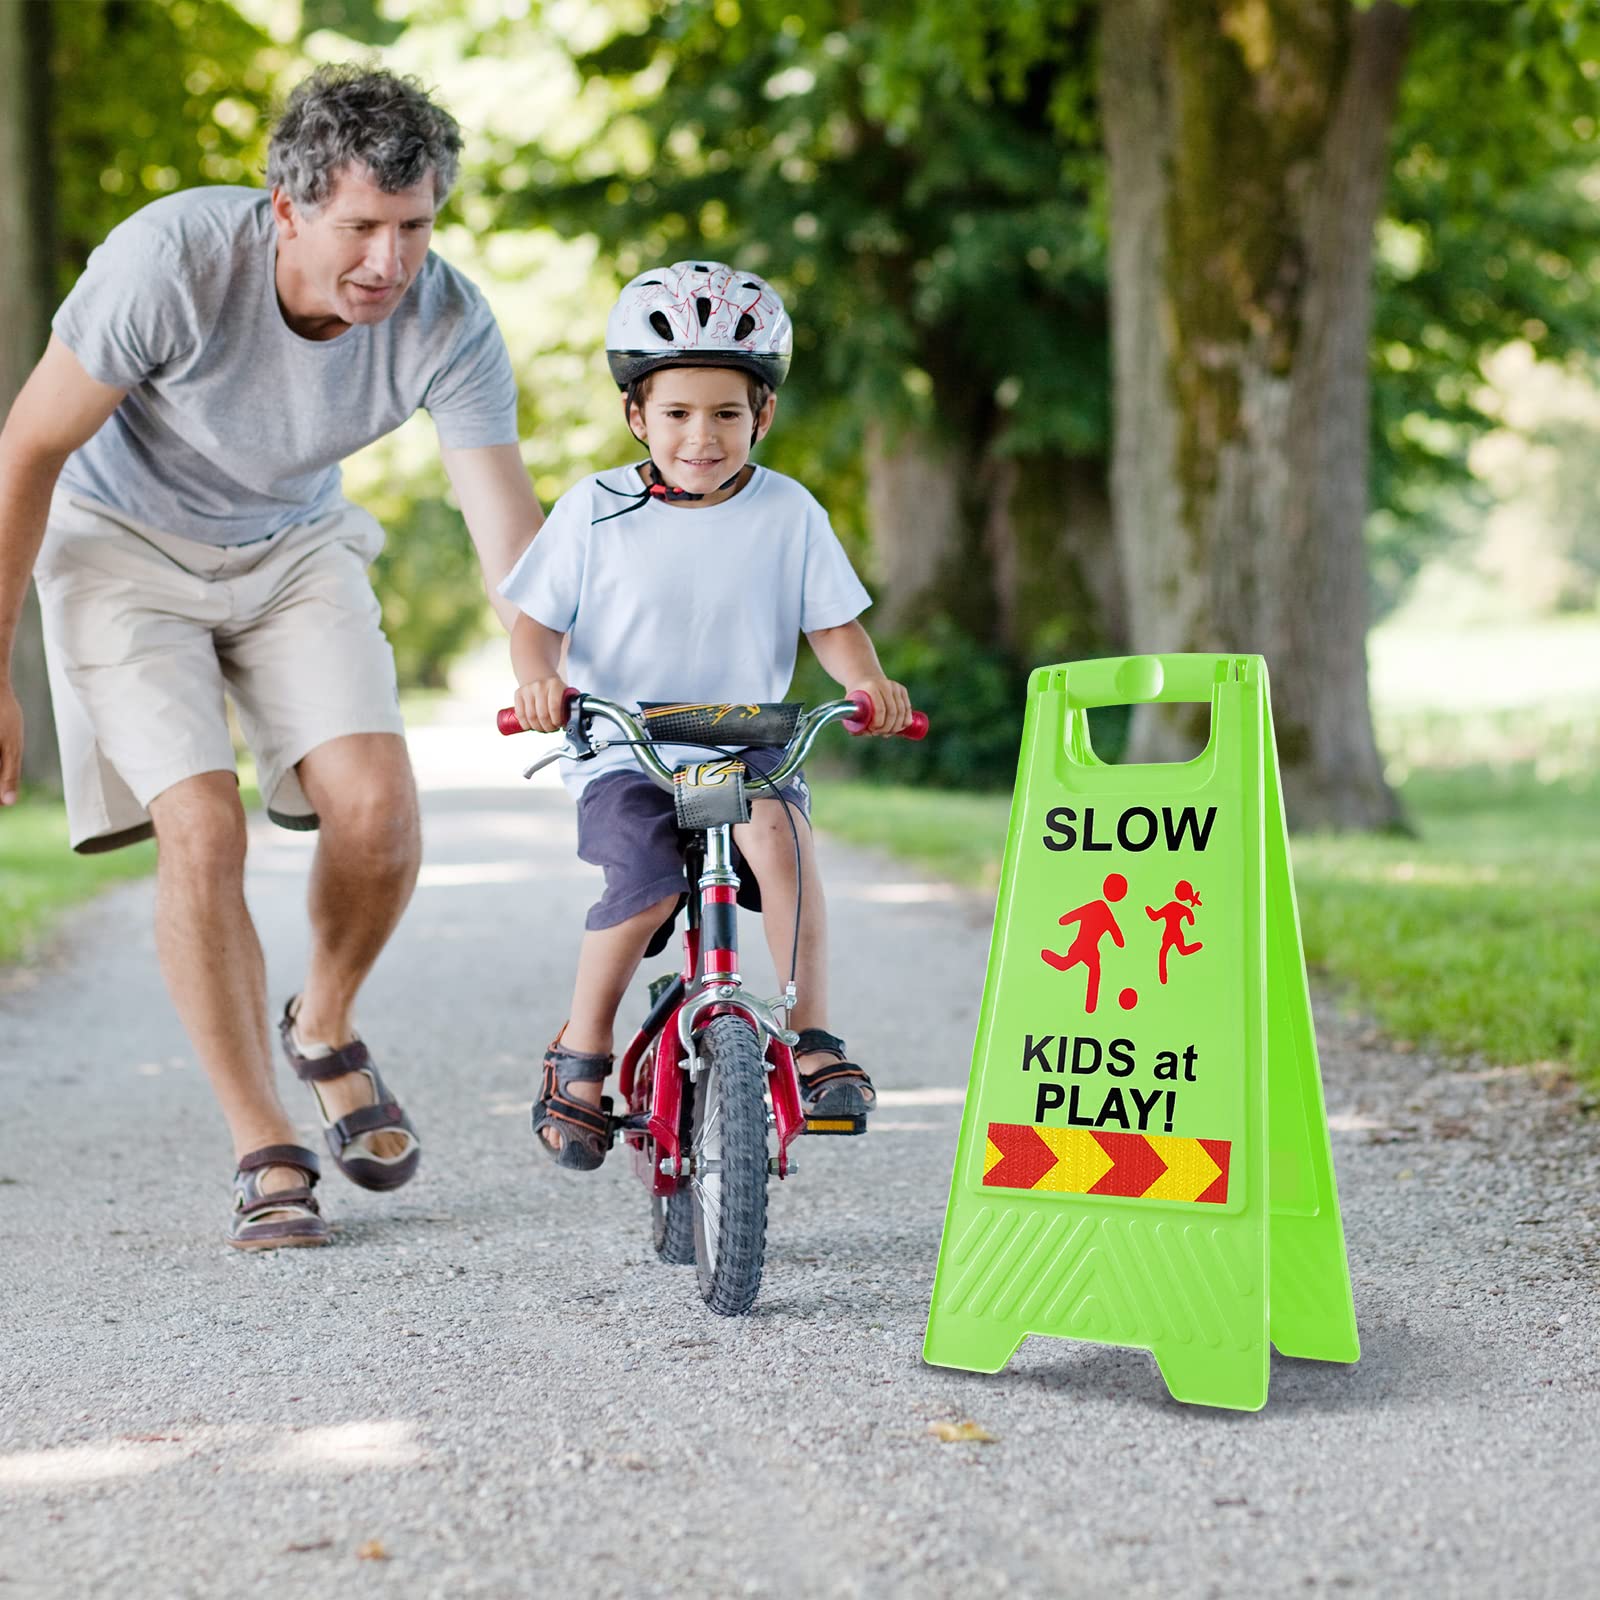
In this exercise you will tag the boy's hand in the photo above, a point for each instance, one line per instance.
(891, 704)
(538, 704)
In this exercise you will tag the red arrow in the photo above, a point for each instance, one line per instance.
(1136, 1165)
(1024, 1156)
(1217, 1193)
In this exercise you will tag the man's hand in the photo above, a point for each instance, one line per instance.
(538, 704)
(891, 704)
(10, 745)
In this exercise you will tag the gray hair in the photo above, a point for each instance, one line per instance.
(348, 113)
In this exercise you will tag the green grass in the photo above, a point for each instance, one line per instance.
(951, 834)
(1481, 935)
(39, 874)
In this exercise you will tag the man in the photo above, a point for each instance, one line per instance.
(172, 465)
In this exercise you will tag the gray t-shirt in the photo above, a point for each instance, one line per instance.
(683, 603)
(234, 426)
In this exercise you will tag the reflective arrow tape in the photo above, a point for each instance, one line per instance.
(1131, 1166)
(1081, 1161)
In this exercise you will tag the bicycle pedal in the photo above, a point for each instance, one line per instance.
(838, 1126)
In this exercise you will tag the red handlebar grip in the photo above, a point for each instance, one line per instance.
(505, 719)
(916, 729)
(863, 703)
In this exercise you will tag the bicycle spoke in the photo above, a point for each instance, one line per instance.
(709, 1138)
(709, 1196)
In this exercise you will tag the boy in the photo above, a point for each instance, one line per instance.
(688, 577)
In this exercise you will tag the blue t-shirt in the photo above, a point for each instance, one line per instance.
(234, 425)
(692, 604)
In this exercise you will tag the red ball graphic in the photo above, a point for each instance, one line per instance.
(1128, 999)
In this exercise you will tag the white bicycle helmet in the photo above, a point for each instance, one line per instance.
(698, 314)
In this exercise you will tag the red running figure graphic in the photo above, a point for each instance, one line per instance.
(1174, 914)
(1095, 921)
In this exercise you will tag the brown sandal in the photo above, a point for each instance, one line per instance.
(385, 1116)
(586, 1132)
(284, 1218)
(835, 1098)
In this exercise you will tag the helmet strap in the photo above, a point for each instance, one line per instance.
(661, 490)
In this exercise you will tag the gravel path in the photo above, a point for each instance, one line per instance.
(489, 1384)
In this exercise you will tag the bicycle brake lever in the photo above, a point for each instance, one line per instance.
(544, 761)
(569, 753)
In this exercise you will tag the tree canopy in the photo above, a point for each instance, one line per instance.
(926, 183)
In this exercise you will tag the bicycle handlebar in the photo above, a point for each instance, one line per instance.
(856, 712)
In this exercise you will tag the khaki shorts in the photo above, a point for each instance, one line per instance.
(145, 632)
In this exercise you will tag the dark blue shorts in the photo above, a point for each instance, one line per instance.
(627, 826)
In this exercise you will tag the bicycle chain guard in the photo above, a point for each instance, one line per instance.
(710, 794)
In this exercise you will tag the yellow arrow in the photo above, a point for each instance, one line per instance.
(1080, 1161)
(991, 1155)
(1190, 1170)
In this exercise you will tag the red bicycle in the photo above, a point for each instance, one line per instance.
(710, 1074)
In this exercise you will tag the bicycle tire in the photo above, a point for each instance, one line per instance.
(672, 1228)
(728, 1121)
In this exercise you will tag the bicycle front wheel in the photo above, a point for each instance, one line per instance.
(728, 1186)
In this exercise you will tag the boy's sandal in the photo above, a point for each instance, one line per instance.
(347, 1135)
(284, 1217)
(585, 1131)
(839, 1091)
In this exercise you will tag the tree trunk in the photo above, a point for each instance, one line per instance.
(915, 515)
(27, 293)
(1058, 590)
(1246, 148)
(1016, 550)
